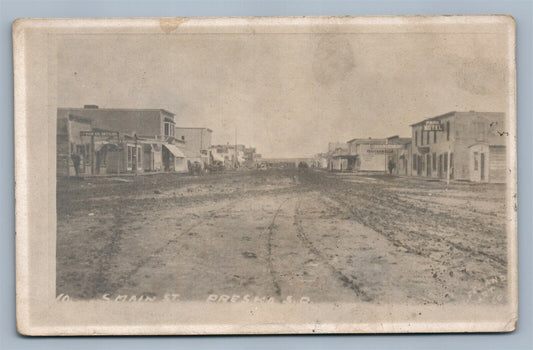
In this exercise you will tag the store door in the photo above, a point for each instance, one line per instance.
(482, 166)
(166, 159)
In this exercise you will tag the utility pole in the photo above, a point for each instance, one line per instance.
(386, 155)
(120, 154)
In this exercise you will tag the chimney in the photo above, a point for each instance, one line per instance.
(90, 107)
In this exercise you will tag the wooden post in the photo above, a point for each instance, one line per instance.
(136, 156)
(93, 163)
(119, 157)
(386, 169)
(448, 167)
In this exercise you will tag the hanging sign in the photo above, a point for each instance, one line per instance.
(433, 125)
(98, 133)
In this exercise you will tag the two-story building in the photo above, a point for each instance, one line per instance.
(116, 140)
(460, 145)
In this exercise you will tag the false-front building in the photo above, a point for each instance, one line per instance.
(462, 146)
(115, 140)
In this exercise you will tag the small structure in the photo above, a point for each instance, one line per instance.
(398, 159)
(232, 156)
(320, 161)
(197, 141)
(336, 156)
(342, 160)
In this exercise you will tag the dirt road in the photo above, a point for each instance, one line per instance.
(281, 235)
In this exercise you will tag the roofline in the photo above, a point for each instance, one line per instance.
(116, 109)
(367, 139)
(486, 144)
(193, 127)
(451, 113)
(436, 117)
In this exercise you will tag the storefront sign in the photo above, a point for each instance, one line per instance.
(98, 133)
(387, 146)
(433, 125)
(380, 150)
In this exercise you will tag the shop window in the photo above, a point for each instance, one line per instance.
(130, 158)
(169, 129)
(445, 162)
(422, 138)
(416, 138)
(447, 131)
(476, 161)
(139, 160)
(434, 137)
(414, 162)
(427, 138)
(434, 161)
(451, 165)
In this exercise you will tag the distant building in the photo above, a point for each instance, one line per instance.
(398, 159)
(320, 161)
(197, 142)
(337, 156)
(229, 155)
(242, 157)
(249, 157)
(472, 145)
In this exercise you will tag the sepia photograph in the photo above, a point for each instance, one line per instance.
(266, 175)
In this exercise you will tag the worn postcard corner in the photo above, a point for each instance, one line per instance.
(265, 175)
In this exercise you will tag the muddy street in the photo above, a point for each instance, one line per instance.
(281, 236)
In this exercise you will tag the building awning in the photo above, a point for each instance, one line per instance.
(174, 150)
(189, 153)
(98, 145)
(345, 156)
(482, 143)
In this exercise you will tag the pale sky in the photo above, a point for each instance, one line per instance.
(288, 95)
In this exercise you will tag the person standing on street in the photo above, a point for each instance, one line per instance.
(76, 159)
(391, 166)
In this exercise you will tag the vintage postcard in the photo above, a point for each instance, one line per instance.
(265, 175)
